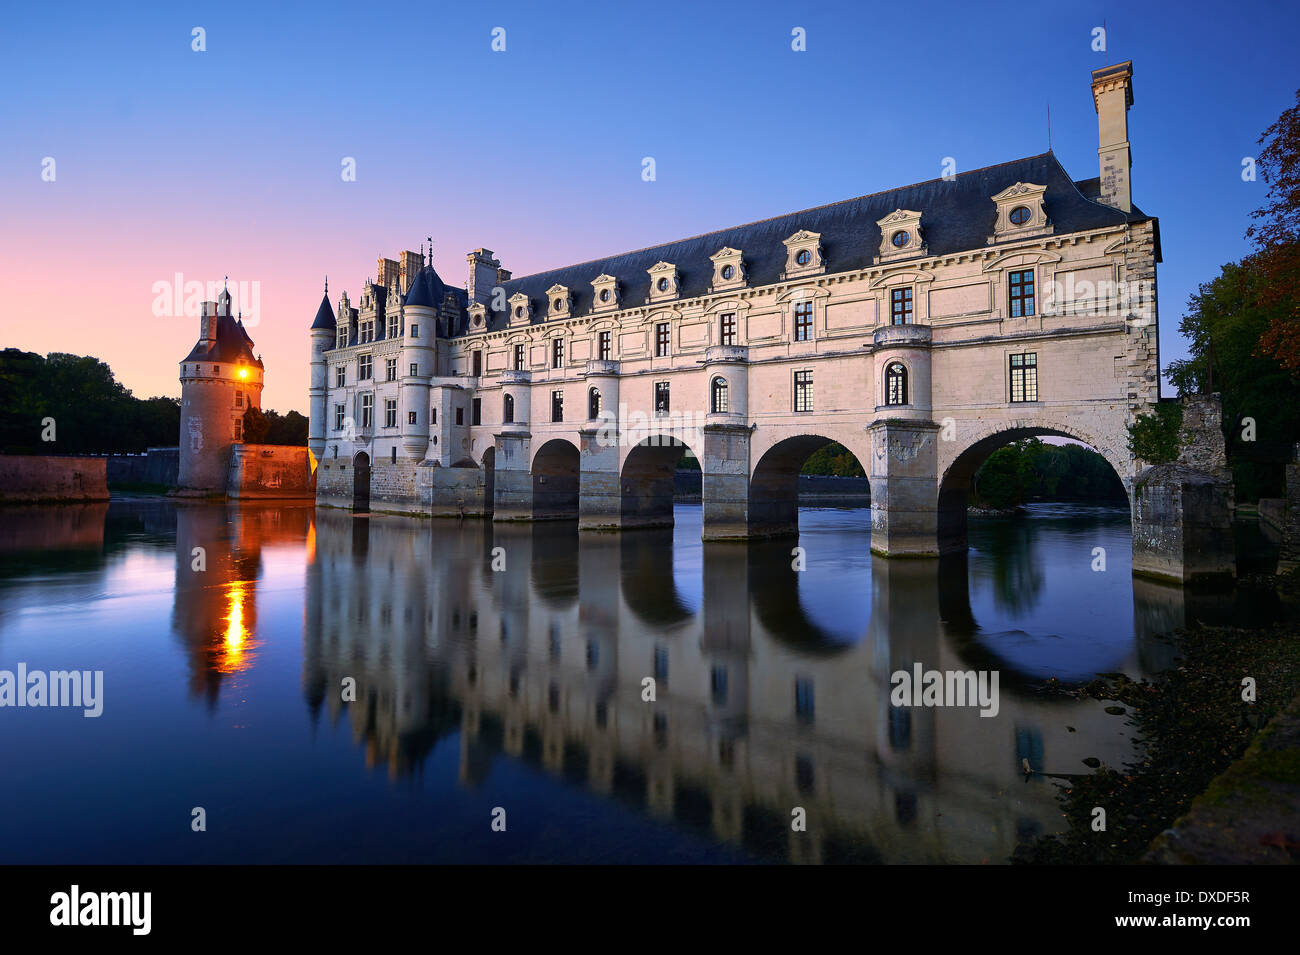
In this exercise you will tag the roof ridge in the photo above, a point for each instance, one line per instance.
(783, 215)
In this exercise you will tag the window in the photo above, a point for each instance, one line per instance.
(803, 391)
(415, 369)
(366, 331)
(341, 341)
(803, 257)
(900, 306)
(508, 409)
(411, 417)
(900, 238)
(216, 369)
(727, 272)
(803, 322)
(661, 398)
(460, 415)
(390, 412)
(593, 403)
(476, 416)
(604, 347)
(662, 285)
(519, 358)
(557, 405)
(392, 458)
(661, 339)
(719, 400)
(239, 399)
(604, 295)
(1020, 215)
(895, 383)
(1024, 377)
(338, 417)
(557, 353)
(593, 655)
(728, 333)
(367, 411)
(718, 685)
(239, 429)
(340, 376)
(661, 664)
(365, 367)
(433, 416)
(415, 331)
(392, 327)
(478, 363)
(803, 699)
(390, 369)
(1021, 286)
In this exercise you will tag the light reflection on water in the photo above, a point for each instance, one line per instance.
(522, 688)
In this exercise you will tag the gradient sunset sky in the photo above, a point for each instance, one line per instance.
(227, 162)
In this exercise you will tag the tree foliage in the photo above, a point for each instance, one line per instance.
(833, 459)
(1153, 437)
(1031, 470)
(1276, 236)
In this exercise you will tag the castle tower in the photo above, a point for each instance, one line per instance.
(323, 334)
(221, 378)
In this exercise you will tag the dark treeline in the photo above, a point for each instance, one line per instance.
(1030, 470)
(88, 411)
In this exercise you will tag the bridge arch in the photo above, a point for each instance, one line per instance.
(556, 471)
(957, 468)
(774, 478)
(646, 480)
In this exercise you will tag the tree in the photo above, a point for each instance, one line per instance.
(256, 426)
(1276, 235)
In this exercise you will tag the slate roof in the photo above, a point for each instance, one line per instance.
(956, 216)
(429, 290)
(232, 345)
(324, 314)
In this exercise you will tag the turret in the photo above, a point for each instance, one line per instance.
(322, 339)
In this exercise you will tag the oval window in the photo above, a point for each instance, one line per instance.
(604, 295)
(900, 238)
(1020, 215)
(803, 258)
(559, 304)
(662, 285)
(519, 311)
(728, 271)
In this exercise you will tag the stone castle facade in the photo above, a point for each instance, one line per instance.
(921, 327)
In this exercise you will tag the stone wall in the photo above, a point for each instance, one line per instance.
(265, 471)
(155, 466)
(40, 478)
(1289, 552)
(451, 492)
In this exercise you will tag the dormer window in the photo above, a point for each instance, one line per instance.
(900, 236)
(804, 254)
(606, 292)
(521, 310)
(728, 269)
(663, 281)
(561, 301)
(1020, 213)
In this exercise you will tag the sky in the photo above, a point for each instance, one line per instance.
(229, 161)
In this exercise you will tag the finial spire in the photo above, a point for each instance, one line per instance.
(327, 286)
(224, 282)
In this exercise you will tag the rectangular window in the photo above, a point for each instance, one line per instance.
(605, 349)
(803, 699)
(367, 411)
(390, 412)
(366, 331)
(718, 681)
(410, 417)
(365, 367)
(803, 322)
(557, 405)
(900, 306)
(803, 391)
(1021, 291)
(239, 399)
(390, 369)
(415, 369)
(433, 416)
(342, 340)
(392, 326)
(519, 358)
(477, 416)
(338, 417)
(460, 415)
(662, 333)
(557, 353)
(1024, 377)
(728, 336)
(415, 331)
(661, 397)
(478, 363)
(238, 429)
(340, 376)
(661, 664)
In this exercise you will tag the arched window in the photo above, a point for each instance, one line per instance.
(508, 409)
(593, 403)
(895, 384)
(719, 404)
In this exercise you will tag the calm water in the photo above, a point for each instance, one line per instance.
(520, 688)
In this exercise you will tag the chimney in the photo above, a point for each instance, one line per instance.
(387, 271)
(1112, 95)
(411, 262)
(208, 323)
(482, 274)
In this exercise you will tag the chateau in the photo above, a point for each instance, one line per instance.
(922, 328)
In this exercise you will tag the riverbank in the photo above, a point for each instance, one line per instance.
(1193, 725)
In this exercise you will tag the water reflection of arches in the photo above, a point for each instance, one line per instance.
(361, 482)
(646, 482)
(647, 581)
(774, 484)
(956, 478)
(774, 593)
(556, 476)
(489, 479)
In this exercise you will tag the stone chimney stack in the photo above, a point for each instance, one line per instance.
(388, 271)
(411, 263)
(482, 275)
(208, 323)
(1112, 95)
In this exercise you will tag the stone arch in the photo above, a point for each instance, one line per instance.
(646, 480)
(361, 482)
(774, 480)
(957, 468)
(556, 470)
